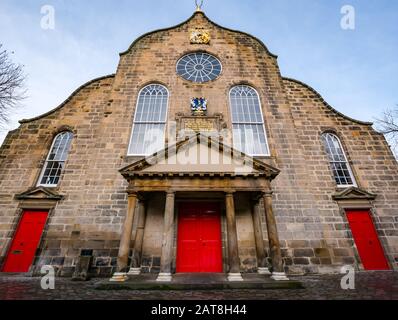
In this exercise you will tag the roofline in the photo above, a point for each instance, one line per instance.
(326, 103)
(68, 99)
(186, 21)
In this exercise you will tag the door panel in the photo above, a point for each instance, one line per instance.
(367, 240)
(199, 248)
(25, 242)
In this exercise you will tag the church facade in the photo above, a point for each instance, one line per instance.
(197, 156)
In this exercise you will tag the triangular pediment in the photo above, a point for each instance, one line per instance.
(39, 193)
(354, 193)
(201, 155)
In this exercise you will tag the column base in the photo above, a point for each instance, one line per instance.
(279, 276)
(235, 277)
(134, 271)
(164, 277)
(264, 271)
(119, 277)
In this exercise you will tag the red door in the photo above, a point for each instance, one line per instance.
(367, 241)
(199, 248)
(25, 242)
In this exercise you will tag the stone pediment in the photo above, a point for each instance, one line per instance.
(39, 193)
(199, 155)
(354, 193)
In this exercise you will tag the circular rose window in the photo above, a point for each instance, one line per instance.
(199, 67)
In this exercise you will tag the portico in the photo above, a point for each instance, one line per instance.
(219, 183)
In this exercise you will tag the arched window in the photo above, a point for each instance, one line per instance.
(338, 161)
(148, 134)
(248, 122)
(56, 159)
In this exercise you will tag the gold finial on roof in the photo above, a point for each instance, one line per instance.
(199, 5)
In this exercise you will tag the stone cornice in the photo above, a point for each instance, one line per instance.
(39, 193)
(354, 193)
(136, 169)
(193, 174)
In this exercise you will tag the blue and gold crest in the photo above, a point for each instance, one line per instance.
(199, 106)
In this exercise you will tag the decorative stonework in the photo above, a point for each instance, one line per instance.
(199, 106)
(190, 125)
(137, 171)
(200, 36)
(38, 198)
(39, 193)
(354, 198)
(203, 124)
(354, 194)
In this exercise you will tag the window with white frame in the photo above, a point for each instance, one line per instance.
(248, 122)
(148, 134)
(56, 159)
(338, 161)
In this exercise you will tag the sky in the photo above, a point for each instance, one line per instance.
(355, 70)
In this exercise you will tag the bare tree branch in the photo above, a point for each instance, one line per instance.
(388, 125)
(12, 86)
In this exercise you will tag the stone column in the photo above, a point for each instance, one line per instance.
(274, 245)
(168, 237)
(135, 267)
(233, 251)
(259, 238)
(125, 241)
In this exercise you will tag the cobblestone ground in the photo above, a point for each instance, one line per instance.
(369, 286)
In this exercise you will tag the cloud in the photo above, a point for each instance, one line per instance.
(354, 71)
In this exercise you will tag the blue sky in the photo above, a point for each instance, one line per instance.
(356, 71)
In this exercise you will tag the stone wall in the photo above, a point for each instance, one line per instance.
(325, 233)
(90, 215)
(313, 230)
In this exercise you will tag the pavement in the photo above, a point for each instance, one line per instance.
(198, 281)
(368, 286)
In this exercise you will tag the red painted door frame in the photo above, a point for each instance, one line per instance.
(199, 245)
(25, 242)
(366, 239)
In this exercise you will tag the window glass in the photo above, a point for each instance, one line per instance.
(338, 161)
(247, 122)
(56, 159)
(199, 67)
(148, 134)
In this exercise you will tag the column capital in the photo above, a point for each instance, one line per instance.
(230, 193)
(132, 194)
(170, 193)
(268, 194)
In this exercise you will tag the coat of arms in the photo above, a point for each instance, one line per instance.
(200, 36)
(199, 106)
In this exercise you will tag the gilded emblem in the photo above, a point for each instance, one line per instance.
(199, 106)
(200, 36)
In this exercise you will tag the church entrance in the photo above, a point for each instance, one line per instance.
(25, 242)
(199, 246)
(367, 240)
